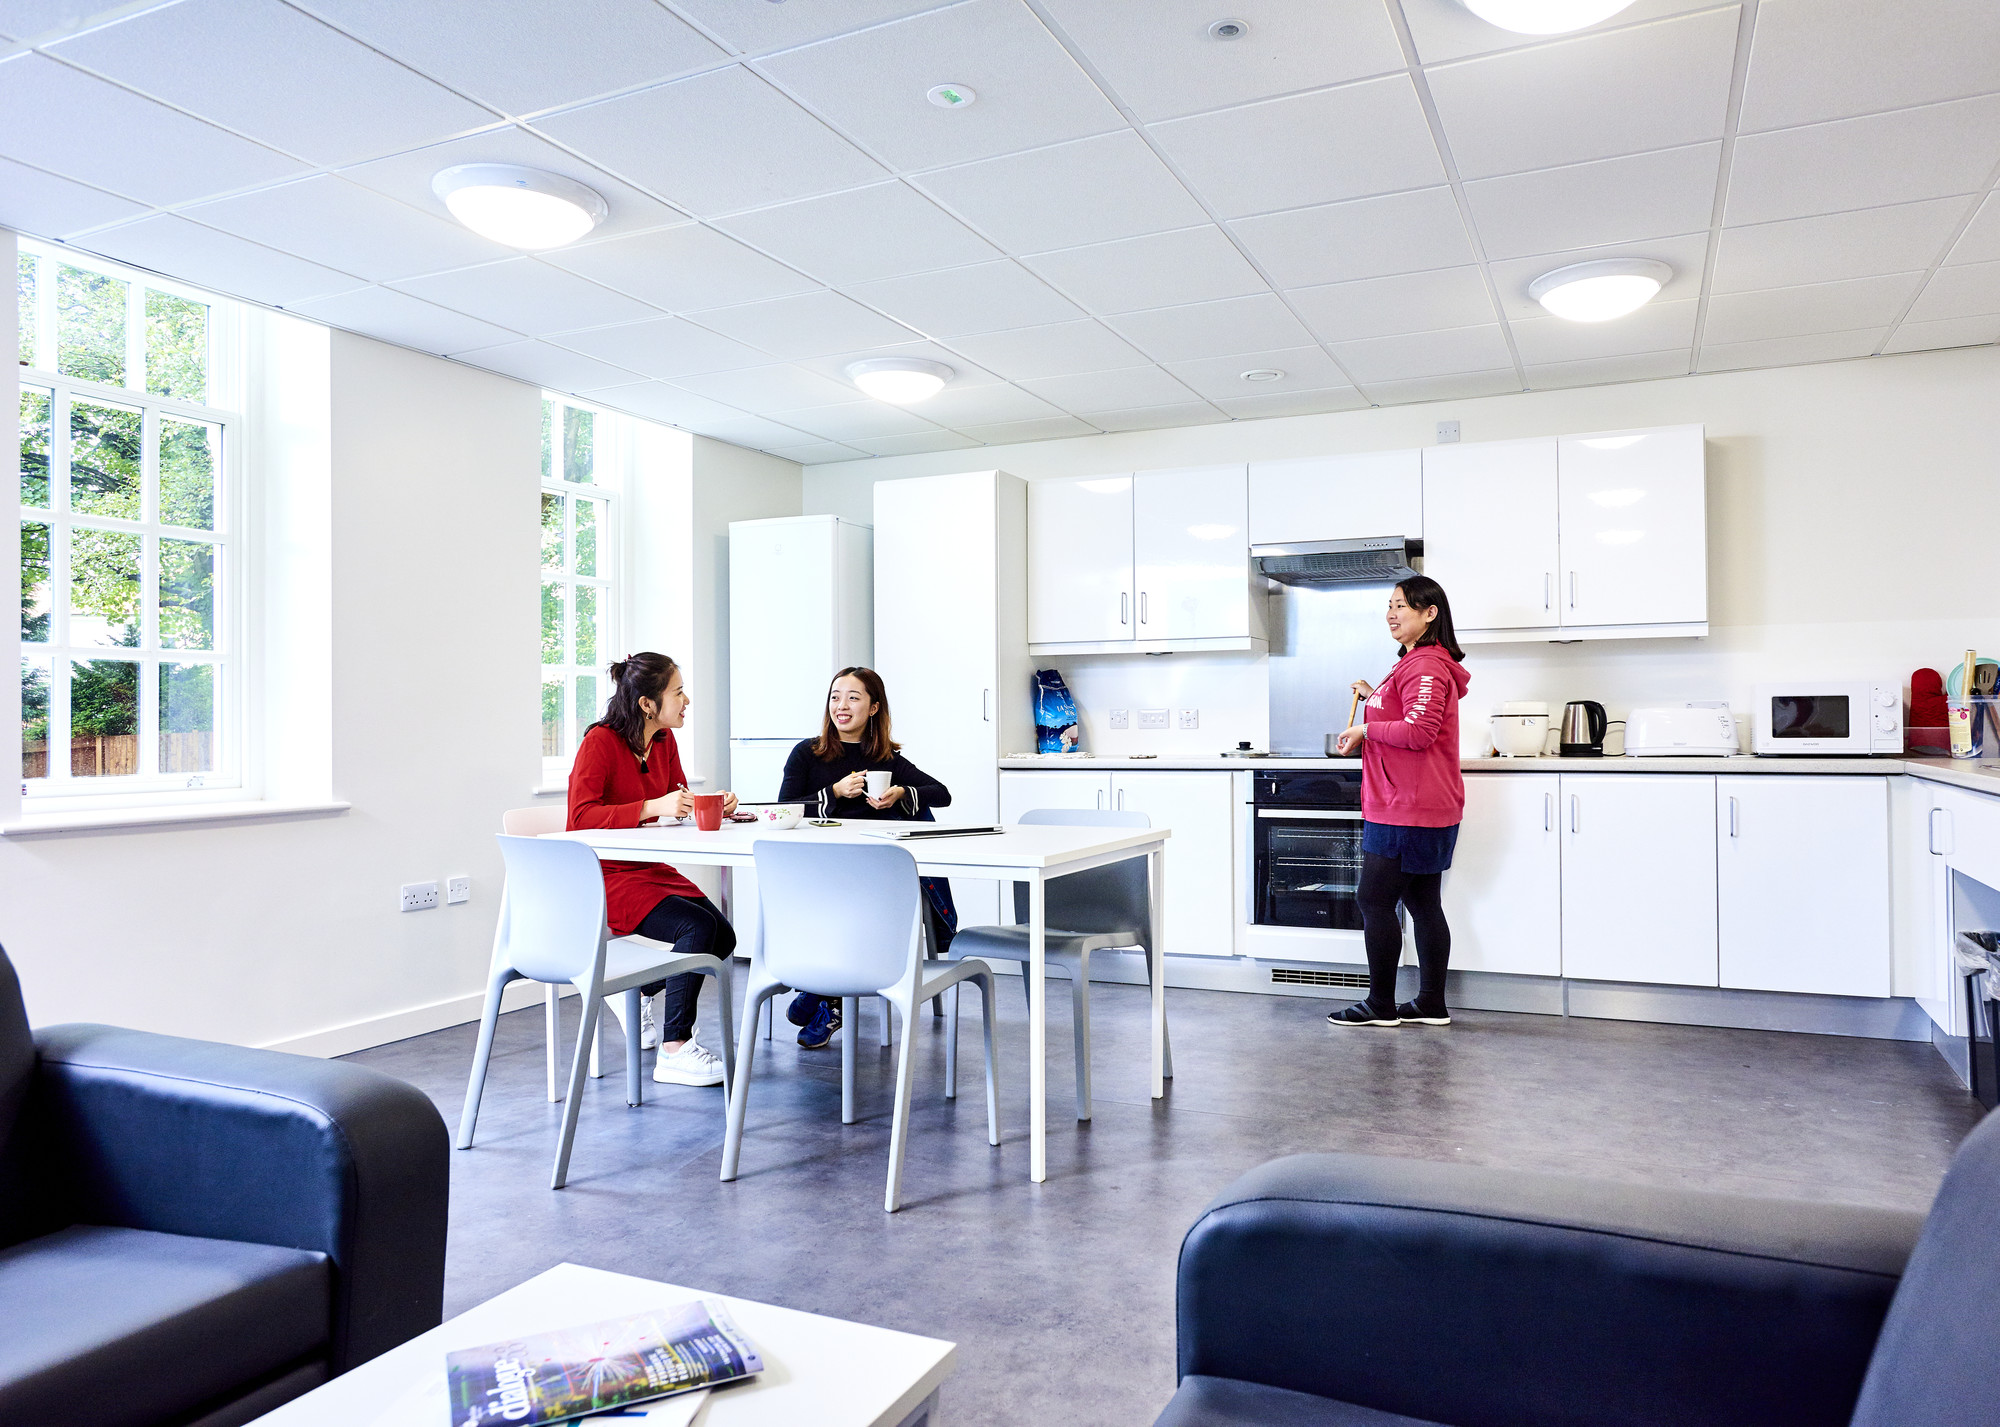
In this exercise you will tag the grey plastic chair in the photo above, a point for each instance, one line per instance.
(552, 929)
(1102, 909)
(844, 919)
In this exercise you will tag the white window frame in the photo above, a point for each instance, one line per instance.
(58, 790)
(611, 448)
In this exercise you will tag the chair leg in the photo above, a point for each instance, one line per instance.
(586, 1037)
(770, 1015)
(489, 1018)
(552, 1034)
(885, 1022)
(1079, 1014)
(899, 1128)
(633, 1081)
(724, 994)
(757, 996)
(950, 1041)
(850, 1008)
(992, 1064)
(596, 1056)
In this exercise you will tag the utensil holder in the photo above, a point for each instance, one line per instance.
(1974, 725)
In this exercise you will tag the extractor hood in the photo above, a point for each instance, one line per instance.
(1382, 560)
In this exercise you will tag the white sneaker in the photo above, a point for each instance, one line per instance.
(690, 1065)
(649, 1024)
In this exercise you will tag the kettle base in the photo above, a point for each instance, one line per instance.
(1582, 750)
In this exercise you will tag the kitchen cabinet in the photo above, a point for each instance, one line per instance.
(1963, 838)
(1490, 533)
(1190, 540)
(1080, 560)
(1503, 894)
(1022, 792)
(1638, 877)
(1802, 868)
(1358, 497)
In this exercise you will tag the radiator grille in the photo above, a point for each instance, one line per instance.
(1286, 976)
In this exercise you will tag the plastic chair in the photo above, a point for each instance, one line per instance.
(1101, 909)
(533, 822)
(844, 919)
(552, 929)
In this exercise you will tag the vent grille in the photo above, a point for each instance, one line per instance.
(1337, 567)
(1352, 980)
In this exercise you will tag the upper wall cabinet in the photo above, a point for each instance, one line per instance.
(1490, 533)
(1360, 497)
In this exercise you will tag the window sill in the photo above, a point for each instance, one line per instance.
(111, 819)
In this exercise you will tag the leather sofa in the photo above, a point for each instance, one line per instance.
(1338, 1289)
(192, 1233)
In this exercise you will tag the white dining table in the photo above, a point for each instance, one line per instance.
(1030, 855)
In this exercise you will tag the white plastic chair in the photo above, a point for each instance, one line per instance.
(1102, 909)
(552, 929)
(845, 919)
(533, 822)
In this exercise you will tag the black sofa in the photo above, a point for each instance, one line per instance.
(1343, 1291)
(192, 1233)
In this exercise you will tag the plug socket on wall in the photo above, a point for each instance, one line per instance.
(419, 896)
(1121, 718)
(1190, 718)
(1152, 718)
(458, 889)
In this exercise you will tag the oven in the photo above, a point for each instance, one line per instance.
(1306, 848)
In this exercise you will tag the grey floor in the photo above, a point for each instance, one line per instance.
(1060, 1295)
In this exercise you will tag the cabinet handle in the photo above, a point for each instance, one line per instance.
(1100, 800)
(1575, 818)
(1936, 849)
(1548, 812)
(1549, 590)
(1124, 608)
(1572, 589)
(1121, 799)
(1142, 607)
(986, 705)
(1734, 818)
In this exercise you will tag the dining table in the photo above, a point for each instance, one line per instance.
(1027, 855)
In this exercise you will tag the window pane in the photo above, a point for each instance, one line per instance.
(552, 531)
(187, 595)
(548, 439)
(90, 326)
(187, 718)
(104, 588)
(552, 700)
(588, 519)
(103, 719)
(37, 406)
(104, 467)
(587, 708)
(176, 347)
(579, 445)
(586, 626)
(35, 717)
(28, 292)
(187, 473)
(552, 624)
(34, 582)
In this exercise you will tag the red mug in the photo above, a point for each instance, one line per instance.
(708, 811)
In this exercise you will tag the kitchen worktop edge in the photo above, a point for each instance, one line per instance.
(1936, 770)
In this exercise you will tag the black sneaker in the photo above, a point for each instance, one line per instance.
(1363, 1014)
(804, 1007)
(819, 1030)
(1411, 1011)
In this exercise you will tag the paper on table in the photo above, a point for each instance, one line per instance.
(677, 1411)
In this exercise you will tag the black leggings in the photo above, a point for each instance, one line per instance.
(696, 928)
(1383, 884)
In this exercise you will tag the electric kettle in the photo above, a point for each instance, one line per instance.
(1583, 727)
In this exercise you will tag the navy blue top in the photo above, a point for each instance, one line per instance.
(1421, 849)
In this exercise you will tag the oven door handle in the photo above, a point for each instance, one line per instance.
(1309, 814)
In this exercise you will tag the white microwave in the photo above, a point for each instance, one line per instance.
(1824, 719)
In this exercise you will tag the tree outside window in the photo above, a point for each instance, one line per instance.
(578, 576)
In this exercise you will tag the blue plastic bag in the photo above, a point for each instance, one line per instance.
(1056, 727)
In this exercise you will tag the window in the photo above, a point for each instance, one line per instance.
(130, 676)
(579, 545)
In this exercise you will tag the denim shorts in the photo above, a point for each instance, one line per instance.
(1420, 849)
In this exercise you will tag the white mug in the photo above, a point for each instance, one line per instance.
(878, 781)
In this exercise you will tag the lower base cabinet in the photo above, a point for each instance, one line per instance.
(1638, 878)
(1503, 894)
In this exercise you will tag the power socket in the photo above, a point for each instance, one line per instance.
(419, 896)
(1190, 718)
(458, 889)
(1152, 718)
(1121, 718)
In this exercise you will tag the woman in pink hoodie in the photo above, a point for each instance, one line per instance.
(1412, 800)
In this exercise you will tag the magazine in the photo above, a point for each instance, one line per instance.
(574, 1372)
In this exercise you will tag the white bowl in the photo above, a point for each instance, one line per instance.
(780, 816)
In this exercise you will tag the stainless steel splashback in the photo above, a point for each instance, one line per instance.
(1323, 638)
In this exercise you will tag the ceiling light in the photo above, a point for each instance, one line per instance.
(899, 379)
(1228, 30)
(1544, 17)
(1262, 374)
(951, 96)
(1600, 291)
(521, 207)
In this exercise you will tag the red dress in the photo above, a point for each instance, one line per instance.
(607, 789)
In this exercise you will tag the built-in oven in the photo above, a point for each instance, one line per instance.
(1306, 848)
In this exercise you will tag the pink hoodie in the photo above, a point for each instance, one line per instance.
(1409, 761)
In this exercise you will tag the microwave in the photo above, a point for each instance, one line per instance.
(1826, 718)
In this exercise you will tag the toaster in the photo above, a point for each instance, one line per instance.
(1693, 730)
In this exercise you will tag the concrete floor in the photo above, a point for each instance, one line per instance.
(1060, 1295)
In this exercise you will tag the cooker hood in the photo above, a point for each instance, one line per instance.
(1382, 560)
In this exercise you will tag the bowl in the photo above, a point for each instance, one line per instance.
(780, 816)
(1520, 735)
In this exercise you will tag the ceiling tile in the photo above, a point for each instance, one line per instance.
(1828, 59)
(855, 419)
(769, 388)
(1190, 265)
(547, 365)
(1057, 350)
(819, 453)
(754, 432)
(656, 401)
(1787, 351)
(1089, 191)
(328, 220)
(1388, 306)
(71, 124)
(1613, 92)
(762, 27)
(1110, 391)
(1302, 369)
(1367, 237)
(1460, 386)
(524, 55)
(1424, 354)
(1801, 311)
(1687, 255)
(1158, 418)
(1609, 201)
(1445, 30)
(1049, 428)
(682, 268)
(1286, 153)
(1293, 403)
(1900, 157)
(41, 19)
(407, 321)
(1194, 330)
(988, 297)
(1949, 332)
(191, 253)
(1981, 240)
(1161, 60)
(1903, 237)
(1656, 327)
(915, 445)
(1640, 367)
(51, 207)
(965, 373)
(960, 407)
(883, 230)
(872, 84)
(809, 325)
(1972, 290)
(715, 143)
(528, 296)
(664, 348)
(268, 71)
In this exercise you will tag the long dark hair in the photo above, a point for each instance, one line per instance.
(1420, 592)
(876, 744)
(635, 677)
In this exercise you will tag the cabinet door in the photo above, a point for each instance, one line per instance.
(1337, 498)
(1638, 877)
(1080, 560)
(1490, 532)
(1503, 894)
(1200, 894)
(1634, 527)
(1190, 535)
(1802, 901)
(1024, 791)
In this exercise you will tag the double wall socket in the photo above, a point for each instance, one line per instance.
(419, 896)
(1152, 718)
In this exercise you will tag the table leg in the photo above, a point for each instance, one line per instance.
(1038, 1034)
(1156, 865)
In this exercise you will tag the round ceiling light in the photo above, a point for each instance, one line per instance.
(901, 380)
(1602, 290)
(521, 207)
(1544, 17)
(1262, 374)
(1228, 30)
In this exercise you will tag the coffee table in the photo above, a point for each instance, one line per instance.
(823, 1371)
